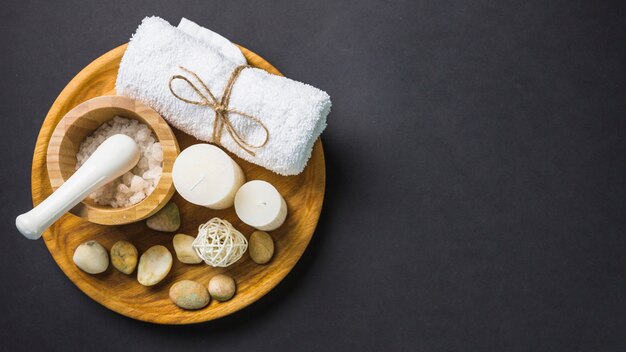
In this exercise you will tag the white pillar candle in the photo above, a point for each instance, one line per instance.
(205, 175)
(259, 205)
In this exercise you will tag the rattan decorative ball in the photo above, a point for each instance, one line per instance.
(219, 244)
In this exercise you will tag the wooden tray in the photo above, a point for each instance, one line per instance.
(304, 194)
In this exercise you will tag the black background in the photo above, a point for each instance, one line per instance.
(476, 176)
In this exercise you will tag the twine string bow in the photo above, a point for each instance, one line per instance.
(221, 108)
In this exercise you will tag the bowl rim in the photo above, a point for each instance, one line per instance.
(164, 189)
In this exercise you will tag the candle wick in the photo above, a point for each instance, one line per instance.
(197, 182)
(263, 203)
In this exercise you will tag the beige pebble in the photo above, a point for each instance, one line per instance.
(222, 287)
(189, 294)
(184, 251)
(91, 257)
(154, 265)
(124, 257)
(261, 247)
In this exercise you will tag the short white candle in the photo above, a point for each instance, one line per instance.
(259, 205)
(205, 175)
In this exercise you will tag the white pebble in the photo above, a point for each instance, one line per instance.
(154, 265)
(91, 257)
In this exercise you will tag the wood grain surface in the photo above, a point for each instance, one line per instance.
(304, 194)
(82, 121)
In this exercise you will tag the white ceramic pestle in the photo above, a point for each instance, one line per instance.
(113, 158)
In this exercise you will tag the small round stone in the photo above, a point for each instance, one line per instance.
(166, 219)
(91, 257)
(189, 294)
(154, 265)
(124, 257)
(222, 287)
(261, 247)
(184, 251)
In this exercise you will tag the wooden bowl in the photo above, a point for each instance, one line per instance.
(82, 121)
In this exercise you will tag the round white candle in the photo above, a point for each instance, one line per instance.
(205, 175)
(259, 205)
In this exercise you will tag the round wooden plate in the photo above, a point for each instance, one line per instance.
(304, 194)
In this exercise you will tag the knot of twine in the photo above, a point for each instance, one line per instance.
(221, 108)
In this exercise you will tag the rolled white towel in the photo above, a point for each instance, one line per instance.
(213, 40)
(293, 112)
